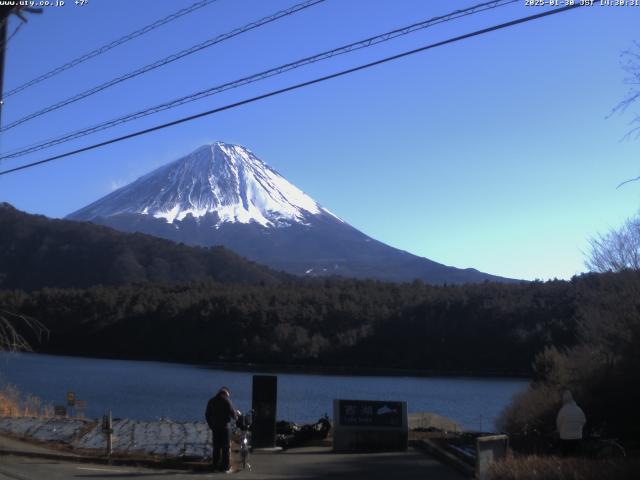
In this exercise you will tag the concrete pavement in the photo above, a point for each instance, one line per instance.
(301, 463)
(309, 464)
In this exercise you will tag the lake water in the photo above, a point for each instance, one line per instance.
(151, 390)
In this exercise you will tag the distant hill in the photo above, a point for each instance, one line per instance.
(37, 252)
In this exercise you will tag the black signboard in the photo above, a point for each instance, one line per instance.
(369, 413)
(60, 411)
(264, 402)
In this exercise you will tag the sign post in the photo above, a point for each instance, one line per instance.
(489, 449)
(370, 425)
(71, 400)
(107, 429)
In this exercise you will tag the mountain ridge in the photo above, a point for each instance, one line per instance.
(222, 194)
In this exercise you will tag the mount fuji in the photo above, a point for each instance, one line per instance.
(222, 194)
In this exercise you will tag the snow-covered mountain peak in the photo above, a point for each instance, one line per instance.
(221, 178)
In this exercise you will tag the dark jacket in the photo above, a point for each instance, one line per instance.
(220, 411)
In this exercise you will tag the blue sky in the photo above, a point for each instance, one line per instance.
(494, 153)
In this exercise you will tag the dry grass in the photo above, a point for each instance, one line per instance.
(14, 404)
(532, 411)
(556, 468)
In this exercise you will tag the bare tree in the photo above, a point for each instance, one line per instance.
(619, 248)
(10, 337)
(630, 61)
(616, 250)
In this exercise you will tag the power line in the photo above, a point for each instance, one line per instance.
(109, 46)
(368, 42)
(165, 61)
(297, 86)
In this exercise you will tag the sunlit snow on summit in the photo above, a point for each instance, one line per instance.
(221, 178)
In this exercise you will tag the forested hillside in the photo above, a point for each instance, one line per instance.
(476, 329)
(37, 252)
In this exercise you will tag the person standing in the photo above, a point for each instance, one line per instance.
(219, 413)
(570, 422)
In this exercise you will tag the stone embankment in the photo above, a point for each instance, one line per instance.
(161, 438)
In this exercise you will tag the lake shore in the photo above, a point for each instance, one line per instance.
(312, 369)
(149, 390)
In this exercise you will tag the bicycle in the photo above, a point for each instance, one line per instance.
(243, 425)
(603, 448)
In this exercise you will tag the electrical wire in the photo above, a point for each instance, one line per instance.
(109, 46)
(164, 61)
(298, 86)
(368, 42)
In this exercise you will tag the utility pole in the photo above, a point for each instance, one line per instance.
(4, 21)
(5, 11)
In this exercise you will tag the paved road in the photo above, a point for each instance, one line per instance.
(307, 463)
